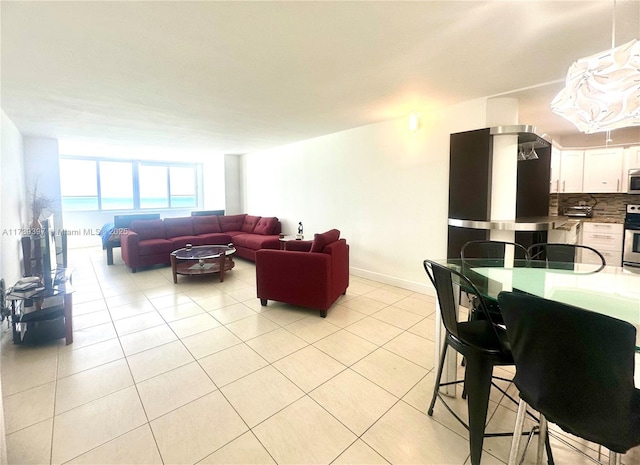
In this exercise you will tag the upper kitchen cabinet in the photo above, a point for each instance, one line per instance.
(602, 170)
(572, 162)
(592, 170)
(631, 161)
(632, 157)
(554, 181)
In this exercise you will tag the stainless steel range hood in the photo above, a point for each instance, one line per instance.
(526, 134)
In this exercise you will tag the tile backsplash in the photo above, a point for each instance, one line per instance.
(610, 207)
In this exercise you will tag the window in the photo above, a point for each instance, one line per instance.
(98, 184)
(116, 185)
(154, 189)
(78, 184)
(183, 186)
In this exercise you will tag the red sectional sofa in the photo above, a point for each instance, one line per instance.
(151, 242)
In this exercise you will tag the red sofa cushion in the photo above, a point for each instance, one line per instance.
(205, 224)
(148, 229)
(231, 222)
(214, 239)
(256, 241)
(321, 240)
(250, 223)
(155, 246)
(181, 241)
(266, 226)
(177, 227)
(298, 245)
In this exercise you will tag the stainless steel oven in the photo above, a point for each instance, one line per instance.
(634, 181)
(631, 247)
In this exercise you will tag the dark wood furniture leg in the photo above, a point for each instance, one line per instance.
(109, 255)
(68, 318)
(16, 334)
(223, 256)
(174, 270)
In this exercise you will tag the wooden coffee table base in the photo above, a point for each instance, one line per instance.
(201, 267)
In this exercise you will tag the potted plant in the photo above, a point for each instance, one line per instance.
(39, 204)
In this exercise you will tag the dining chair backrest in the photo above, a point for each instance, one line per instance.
(493, 253)
(576, 367)
(446, 282)
(566, 256)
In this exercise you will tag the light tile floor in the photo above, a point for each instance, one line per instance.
(199, 372)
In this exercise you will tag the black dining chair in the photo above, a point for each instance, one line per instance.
(488, 253)
(575, 367)
(566, 256)
(480, 341)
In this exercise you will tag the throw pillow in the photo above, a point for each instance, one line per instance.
(205, 224)
(231, 222)
(249, 223)
(321, 240)
(266, 225)
(177, 227)
(148, 229)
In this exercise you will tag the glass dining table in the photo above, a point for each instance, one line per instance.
(613, 291)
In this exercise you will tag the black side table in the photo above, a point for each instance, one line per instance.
(28, 308)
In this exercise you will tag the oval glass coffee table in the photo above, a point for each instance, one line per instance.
(202, 259)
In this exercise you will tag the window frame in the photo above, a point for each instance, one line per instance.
(135, 171)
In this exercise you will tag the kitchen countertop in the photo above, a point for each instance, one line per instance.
(602, 219)
(538, 223)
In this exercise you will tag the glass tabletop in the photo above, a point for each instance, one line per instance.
(197, 252)
(613, 291)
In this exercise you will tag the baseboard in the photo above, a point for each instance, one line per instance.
(422, 288)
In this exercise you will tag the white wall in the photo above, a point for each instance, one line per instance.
(13, 208)
(41, 167)
(383, 187)
(233, 195)
(12, 217)
(214, 180)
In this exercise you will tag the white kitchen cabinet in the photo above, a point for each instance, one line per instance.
(606, 238)
(572, 162)
(602, 170)
(631, 160)
(554, 182)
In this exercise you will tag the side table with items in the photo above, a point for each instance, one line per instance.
(287, 242)
(34, 305)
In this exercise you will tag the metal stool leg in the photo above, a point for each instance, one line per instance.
(517, 432)
(542, 438)
(438, 378)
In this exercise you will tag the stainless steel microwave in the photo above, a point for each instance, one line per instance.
(634, 181)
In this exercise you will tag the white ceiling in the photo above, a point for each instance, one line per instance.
(235, 77)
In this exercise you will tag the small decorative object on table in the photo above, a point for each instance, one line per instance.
(39, 204)
(300, 231)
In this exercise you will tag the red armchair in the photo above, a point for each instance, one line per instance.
(312, 276)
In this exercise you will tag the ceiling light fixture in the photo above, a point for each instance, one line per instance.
(414, 122)
(602, 91)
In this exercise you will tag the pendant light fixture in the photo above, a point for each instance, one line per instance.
(602, 91)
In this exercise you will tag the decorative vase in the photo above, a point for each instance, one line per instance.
(35, 226)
